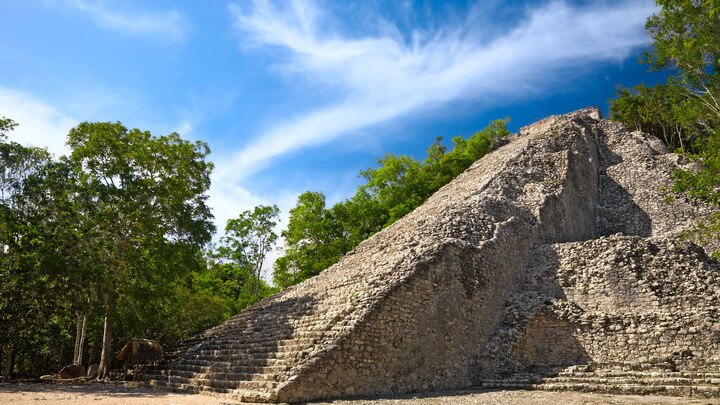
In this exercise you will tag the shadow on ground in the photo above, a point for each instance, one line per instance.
(116, 389)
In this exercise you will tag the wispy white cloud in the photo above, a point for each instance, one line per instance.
(170, 25)
(384, 77)
(40, 124)
(184, 128)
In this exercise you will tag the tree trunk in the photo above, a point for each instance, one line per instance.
(7, 361)
(78, 330)
(60, 361)
(104, 367)
(255, 288)
(258, 273)
(80, 339)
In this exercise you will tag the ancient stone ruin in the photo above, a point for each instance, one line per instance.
(552, 263)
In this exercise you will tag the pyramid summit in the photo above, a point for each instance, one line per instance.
(554, 262)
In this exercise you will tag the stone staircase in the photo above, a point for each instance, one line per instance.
(254, 354)
(250, 370)
(698, 384)
(247, 359)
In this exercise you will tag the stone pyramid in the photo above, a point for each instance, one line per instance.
(553, 262)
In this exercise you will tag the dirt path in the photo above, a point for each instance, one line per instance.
(116, 394)
(518, 397)
(96, 394)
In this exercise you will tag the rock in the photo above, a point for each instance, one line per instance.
(555, 250)
(72, 371)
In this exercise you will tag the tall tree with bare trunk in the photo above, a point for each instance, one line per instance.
(144, 198)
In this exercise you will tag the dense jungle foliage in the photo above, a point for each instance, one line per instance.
(110, 243)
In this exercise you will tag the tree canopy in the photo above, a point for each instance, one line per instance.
(237, 263)
(144, 210)
(114, 231)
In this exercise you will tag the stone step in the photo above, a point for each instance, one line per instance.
(240, 359)
(250, 331)
(260, 346)
(660, 381)
(253, 353)
(239, 368)
(241, 333)
(233, 361)
(239, 394)
(230, 376)
(639, 374)
(608, 387)
(242, 337)
(186, 387)
(260, 386)
(250, 355)
(667, 380)
(260, 319)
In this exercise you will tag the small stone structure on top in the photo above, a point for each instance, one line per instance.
(552, 263)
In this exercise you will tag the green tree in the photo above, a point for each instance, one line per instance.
(241, 254)
(59, 261)
(397, 184)
(21, 293)
(6, 124)
(53, 275)
(686, 39)
(143, 200)
(313, 241)
(662, 110)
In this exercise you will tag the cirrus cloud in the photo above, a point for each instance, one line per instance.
(170, 25)
(383, 76)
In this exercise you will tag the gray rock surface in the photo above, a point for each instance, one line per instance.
(72, 371)
(508, 269)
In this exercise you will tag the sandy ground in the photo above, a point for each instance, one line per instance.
(520, 397)
(116, 394)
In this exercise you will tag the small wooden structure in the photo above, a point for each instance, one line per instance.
(139, 353)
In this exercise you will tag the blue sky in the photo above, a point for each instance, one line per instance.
(302, 95)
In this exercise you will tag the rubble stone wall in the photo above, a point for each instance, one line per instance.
(628, 302)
